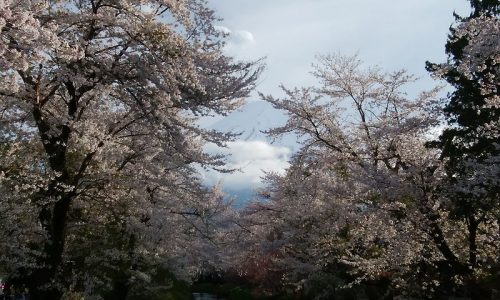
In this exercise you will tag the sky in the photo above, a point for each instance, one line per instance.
(290, 33)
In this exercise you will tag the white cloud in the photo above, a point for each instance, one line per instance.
(237, 40)
(252, 159)
(242, 37)
(222, 29)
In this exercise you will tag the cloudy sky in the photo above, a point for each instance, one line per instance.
(290, 33)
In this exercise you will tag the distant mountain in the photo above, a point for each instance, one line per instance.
(240, 196)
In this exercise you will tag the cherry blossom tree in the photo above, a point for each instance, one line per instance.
(362, 201)
(98, 140)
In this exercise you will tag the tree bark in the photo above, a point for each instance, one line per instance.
(53, 216)
(439, 240)
(472, 226)
(42, 282)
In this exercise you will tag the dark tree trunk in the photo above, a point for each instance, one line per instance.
(42, 282)
(472, 226)
(437, 236)
(53, 216)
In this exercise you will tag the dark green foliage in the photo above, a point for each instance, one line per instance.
(485, 6)
(466, 112)
(468, 148)
(462, 108)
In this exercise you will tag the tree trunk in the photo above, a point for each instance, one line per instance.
(42, 282)
(437, 236)
(53, 217)
(472, 226)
